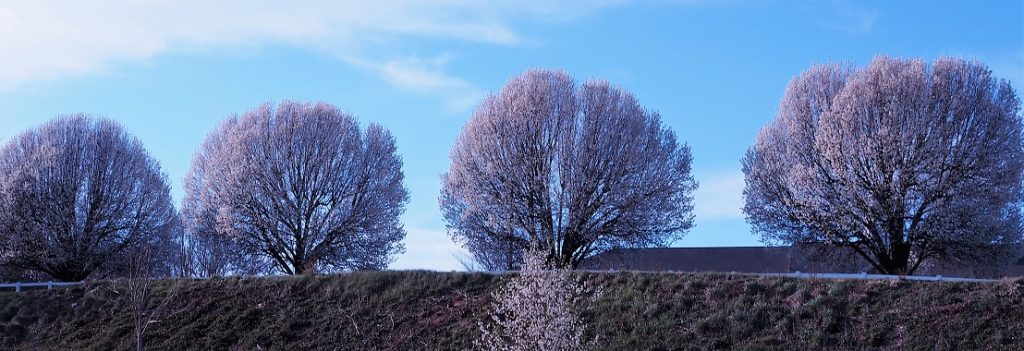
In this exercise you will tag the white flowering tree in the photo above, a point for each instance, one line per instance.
(79, 197)
(900, 161)
(298, 186)
(537, 310)
(573, 169)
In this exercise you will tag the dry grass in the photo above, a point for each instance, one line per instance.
(437, 311)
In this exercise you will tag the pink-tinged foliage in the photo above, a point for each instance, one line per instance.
(80, 195)
(902, 161)
(539, 309)
(298, 187)
(575, 170)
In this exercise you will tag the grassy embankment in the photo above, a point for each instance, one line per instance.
(438, 311)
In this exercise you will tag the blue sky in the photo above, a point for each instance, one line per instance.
(715, 70)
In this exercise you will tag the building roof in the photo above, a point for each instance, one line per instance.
(695, 259)
(759, 259)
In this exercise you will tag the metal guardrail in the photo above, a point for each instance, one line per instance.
(49, 285)
(937, 278)
(18, 286)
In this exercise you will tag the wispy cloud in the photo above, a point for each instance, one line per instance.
(43, 40)
(425, 76)
(429, 248)
(848, 17)
(719, 196)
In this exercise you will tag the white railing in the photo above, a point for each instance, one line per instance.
(937, 278)
(49, 285)
(18, 286)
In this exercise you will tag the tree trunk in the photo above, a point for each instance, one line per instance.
(69, 275)
(898, 263)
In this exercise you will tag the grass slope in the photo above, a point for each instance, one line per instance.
(438, 311)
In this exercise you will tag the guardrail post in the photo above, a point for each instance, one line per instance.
(49, 285)
(17, 286)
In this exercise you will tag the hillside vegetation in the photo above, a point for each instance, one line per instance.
(416, 310)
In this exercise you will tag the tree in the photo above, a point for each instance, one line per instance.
(299, 186)
(537, 310)
(574, 170)
(78, 196)
(146, 308)
(901, 161)
(495, 253)
(212, 255)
